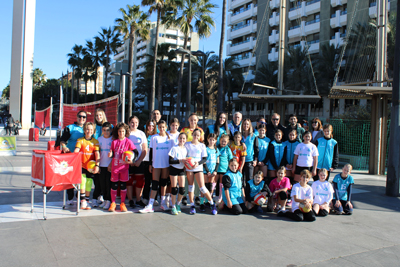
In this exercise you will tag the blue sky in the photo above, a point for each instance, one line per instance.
(61, 24)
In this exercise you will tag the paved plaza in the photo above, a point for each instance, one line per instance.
(370, 237)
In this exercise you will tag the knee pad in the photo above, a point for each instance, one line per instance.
(122, 185)
(282, 195)
(181, 191)
(114, 185)
(174, 191)
(154, 185)
(139, 180)
(204, 190)
(208, 186)
(89, 183)
(191, 188)
(163, 182)
(323, 213)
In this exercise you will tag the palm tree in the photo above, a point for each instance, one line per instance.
(92, 54)
(191, 14)
(38, 78)
(267, 75)
(109, 40)
(325, 67)
(232, 80)
(220, 102)
(75, 61)
(159, 6)
(134, 23)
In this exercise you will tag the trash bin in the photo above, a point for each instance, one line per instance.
(34, 134)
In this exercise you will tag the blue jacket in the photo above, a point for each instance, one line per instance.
(251, 147)
(71, 134)
(234, 128)
(275, 155)
(263, 144)
(289, 150)
(328, 153)
(233, 182)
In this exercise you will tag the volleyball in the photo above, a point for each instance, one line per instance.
(260, 199)
(304, 208)
(128, 156)
(190, 163)
(91, 165)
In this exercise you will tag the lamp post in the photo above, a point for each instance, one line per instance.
(203, 55)
(121, 88)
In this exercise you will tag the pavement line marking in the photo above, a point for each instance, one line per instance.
(15, 169)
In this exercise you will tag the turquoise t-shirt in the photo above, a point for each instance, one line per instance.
(342, 185)
(225, 155)
(212, 156)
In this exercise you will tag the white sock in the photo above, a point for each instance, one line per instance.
(191, 203)
(151, 202)
(283, 208)
(211, 201)
(162, 199)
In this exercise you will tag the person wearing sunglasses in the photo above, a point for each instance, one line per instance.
(274, 126)
(68, 140)
(260, 121)
(316, 130)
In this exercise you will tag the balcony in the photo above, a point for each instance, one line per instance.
(338, 19)
(141, 44)
(240, 47)
(236, 3)
(242, 15)
(274, 4)
(335, 3)
(119, 56)
(140, 69)
(242, 30)
(141, 61)
(313, 6)
(373, 9)
(312, 27)
(273, 55)
(141, 53)
(274, 19)
(297, 31)
(249, 75)
(313, 47)
(337, 39)
(274, 37)
(245, 61)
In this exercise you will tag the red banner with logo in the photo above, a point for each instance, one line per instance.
(51, 168)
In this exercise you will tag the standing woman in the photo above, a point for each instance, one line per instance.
(150, 130)
(220, 127)
(136, 170)
(99, 119)
(316, 130)
(68, 140)
(328, 152)
(251, 142)
(193, 120)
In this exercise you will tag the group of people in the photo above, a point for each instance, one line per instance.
(12, 127)
(227, 166)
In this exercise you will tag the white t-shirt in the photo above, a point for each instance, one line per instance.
(161, 146)
(174, 137)
(323, 192)
(138, 138)
(197, 152)
(305, 153)
(178, 152)
(301, 193)
(105, 145)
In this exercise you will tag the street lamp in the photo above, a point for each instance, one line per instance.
(203, 55)
(121, 88)
(184, 52)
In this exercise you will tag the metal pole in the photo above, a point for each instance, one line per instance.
(393, 168)
(51, 114)
(282, 45)
(123, 98)
(189, 91)
(72, 88)
(34, 118)
(203, 106)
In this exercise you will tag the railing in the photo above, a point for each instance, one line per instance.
(333, 15)
(344, 12)
(241, 57)
(343, 35)
(242, 42)
(295, 7)
(240, 11)
(333, 37)
(313, 42)
(312, 21)
(372, 4)
(239, 27)
(312, 2)
(294, 27)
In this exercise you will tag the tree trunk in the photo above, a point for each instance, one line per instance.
(85, 91)
(153, 82)
(220, 103)
(106, 73)
(179, 91)
(159, 93)
(130, 66)
(78, 89)
(95, 89)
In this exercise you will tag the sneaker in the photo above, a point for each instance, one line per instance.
(164, 207)
(85, 205)
(184, 201)
(281, 211)
(100, 199)
(112, 207)
(193, 210)
(94, 203)
(289, 204)
(156, 203)
(147, 209)
(132, 203)
(202, 207)
(70, 202)
(214, 209)
(197, 201)
(269, 209)
(178, 208)
(140, 204)
(122, 207)
(174, 211)
(208, 205)
(339, 212)
(102, 204)
(107, 204)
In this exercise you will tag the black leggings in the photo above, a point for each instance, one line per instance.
(237, 209)
(299, 216)
(148, 177)
(105, 183)
(98, 190)
(248, 169)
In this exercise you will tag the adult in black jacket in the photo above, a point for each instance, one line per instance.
(10, 125)
(274, 126)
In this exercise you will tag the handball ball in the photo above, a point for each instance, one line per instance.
(259, 199)
(128, 156)
(91, 165)
(189, 163)
(304, 208)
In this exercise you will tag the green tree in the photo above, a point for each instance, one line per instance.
(267, 75)
(38, 77)
(93, 58)
(189, 15)
(134, 23)
(6, 92)
(325, 67)
(108, 40)
(75, 60)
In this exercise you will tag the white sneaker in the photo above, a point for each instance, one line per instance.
(147, 209)
(164, 206)
(70, 202)
(100, 199)
(85, 205)
(167, 201)
(94, 203)
(107, 204)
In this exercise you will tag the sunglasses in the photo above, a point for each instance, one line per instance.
(314, 122)
(275, 119)
(81, 117)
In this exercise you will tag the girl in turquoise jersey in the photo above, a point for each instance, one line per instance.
(263, 143)
(275, 154)
(220, 127)
(290, 146)
(211, 165)
(225, 155)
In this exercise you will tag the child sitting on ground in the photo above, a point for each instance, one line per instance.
(279, 188)
(233, 194)
(255, 186)
(323, 193)
(342, 186)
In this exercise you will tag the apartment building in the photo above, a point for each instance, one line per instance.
(142, 48)
(310, 24)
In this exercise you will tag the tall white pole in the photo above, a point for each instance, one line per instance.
(51, 114)
(123, 98)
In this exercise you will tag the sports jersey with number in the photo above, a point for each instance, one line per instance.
(160, 146)
(342, 185)
(197, 152)
(87, 147)
(238, 152)
(189, 133)
(118, 148)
